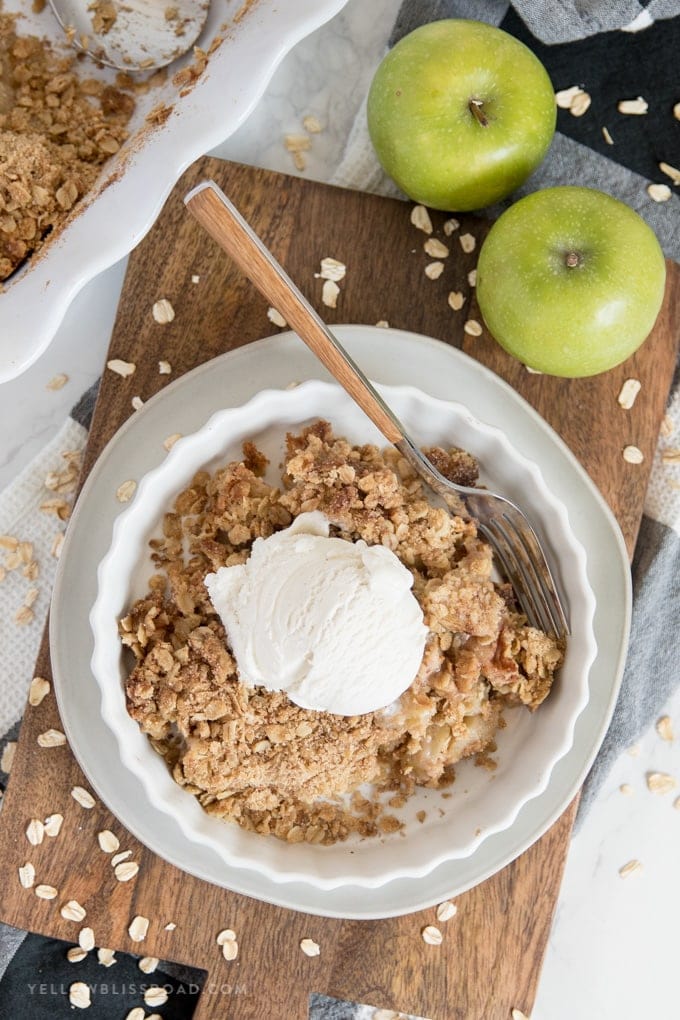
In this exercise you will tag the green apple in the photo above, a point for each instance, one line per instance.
(460, 113)
(570, 281)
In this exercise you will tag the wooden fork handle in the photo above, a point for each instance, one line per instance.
(224, 223)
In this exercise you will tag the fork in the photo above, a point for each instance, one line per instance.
(500, 522)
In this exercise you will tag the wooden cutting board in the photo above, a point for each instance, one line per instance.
(491, 956)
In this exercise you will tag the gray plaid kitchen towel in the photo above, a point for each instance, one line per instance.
(615, 49)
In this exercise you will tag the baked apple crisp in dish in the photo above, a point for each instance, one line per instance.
(89, 154)
(323, 670)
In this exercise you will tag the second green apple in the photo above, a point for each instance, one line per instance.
(460, 113)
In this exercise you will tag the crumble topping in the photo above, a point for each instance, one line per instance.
(252, 756)
(56, 131)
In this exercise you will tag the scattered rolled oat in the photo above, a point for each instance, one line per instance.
(126, 491)
(450, 226)
(275, 316)
(164, 368)
(195, 278)
(76, 954)
(170, 441)
(636, 107)
(329, 293)
(83, 797)
(106, 957)
(382, 324)
(629, 868)
(664, 727)
(420, 218)
(676, 803)
(86, 939)
(472, 277)
(118, 858)
(230, 950)
(58, 382)
(124, 368)
(27, 875)
(35, 832)
(108, 842)
(155, 996)
(607, 137)
(671, 455)
(57, 506)
(163, 312)
(138, 928)
(135, 1014)
(676, 111)
(432, 935)
(137, 403)
(472, 328)
(331, 269)
(670, 171)
(24, 616)
(467, 243)
(309, 947)
(433, 270)
(297, 145)
(628, 393)
(517, 1014)
(446, 910)
(124, 872)
(148, 964)
(51, 738)
(659, 192)
(633, 455)
(565, 97)
(626, 789)
(7, 760)
(660, 782)
(456, 300)
(57, 545)
(73, 911)
(53, 824)
(38, 691)
(437, 249)
(46, 892)
(580, 104)
(311, 124)
(79, 995)
(170, 926)
(226, 935)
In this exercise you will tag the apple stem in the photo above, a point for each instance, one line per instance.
(475, 108)
(572, 259)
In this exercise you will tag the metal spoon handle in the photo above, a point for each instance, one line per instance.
(213, 210)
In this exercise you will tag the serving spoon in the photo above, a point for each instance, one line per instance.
(132, 35)
(500, 521)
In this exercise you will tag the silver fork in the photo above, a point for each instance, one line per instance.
(500, 522)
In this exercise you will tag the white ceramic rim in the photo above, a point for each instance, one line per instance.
(391, 355)
(367, 865)
(34, 303)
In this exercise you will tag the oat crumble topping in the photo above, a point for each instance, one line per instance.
(252, 756)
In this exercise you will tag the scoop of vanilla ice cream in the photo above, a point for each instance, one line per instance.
(332, 623)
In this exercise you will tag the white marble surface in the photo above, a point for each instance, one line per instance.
(612, 951)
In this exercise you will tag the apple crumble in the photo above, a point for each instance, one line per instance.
(57, 129)
(252, 756)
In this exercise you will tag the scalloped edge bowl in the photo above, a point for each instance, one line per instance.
(480, 803)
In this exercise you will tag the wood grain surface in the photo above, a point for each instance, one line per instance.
(491, 956)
